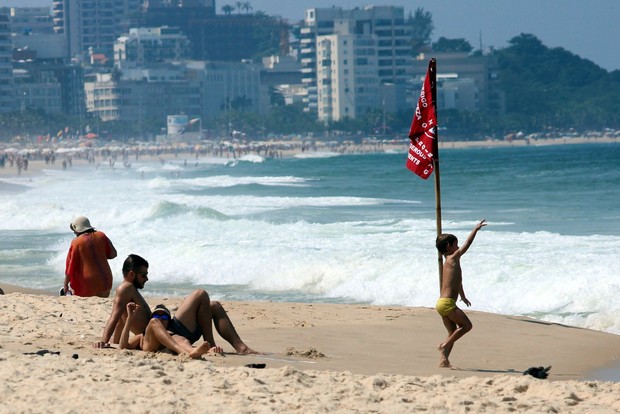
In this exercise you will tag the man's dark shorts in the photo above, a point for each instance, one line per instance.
(176, 327)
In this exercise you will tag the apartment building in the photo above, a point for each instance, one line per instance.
(92, 24)
(225, 85)
(387, 25)
(143, 46)
(470, 82)
(7, 91)
(37, 89)
(347, 82)
(33, 35)
(142, 95)
(28, 20)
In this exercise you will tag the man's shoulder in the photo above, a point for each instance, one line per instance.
(98, 234)
(126, 289)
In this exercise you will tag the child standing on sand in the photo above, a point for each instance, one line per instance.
(454, 319)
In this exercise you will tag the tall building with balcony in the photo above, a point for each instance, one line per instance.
(229, 85)
(7, 92)
(143, 95)
(93, 24)
(144, 46)
(38, 89)
(470, 72)
(347, 83)
(33, 35)
(28, 20)
(387, 25)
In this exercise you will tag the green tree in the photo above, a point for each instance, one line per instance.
(268, 32)
(553, 88)
(421, 23)
(228, 9)
(452, 45)
(247, 6)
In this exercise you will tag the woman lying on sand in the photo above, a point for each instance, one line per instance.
(156, 337)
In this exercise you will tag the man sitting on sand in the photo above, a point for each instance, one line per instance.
(454, 319)
(192, 320)
(87, 270)
(156, 336)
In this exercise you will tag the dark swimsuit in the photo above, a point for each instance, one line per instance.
(178, 328)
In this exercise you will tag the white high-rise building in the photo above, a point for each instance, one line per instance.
(385, 23)
(347, 82)
(92, 24)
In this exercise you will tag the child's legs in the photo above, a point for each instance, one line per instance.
(450, 327)
(459, 318)
(449, 324)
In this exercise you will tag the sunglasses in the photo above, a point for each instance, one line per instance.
(161, 316)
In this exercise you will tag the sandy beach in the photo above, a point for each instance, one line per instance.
(318, 357)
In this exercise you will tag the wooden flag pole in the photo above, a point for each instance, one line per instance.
(438, 215)
(436, 167)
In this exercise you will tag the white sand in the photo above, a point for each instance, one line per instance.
(343, 358)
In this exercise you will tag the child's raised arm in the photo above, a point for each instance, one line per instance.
(470, 239)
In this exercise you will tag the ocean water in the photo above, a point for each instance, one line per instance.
(343, 228)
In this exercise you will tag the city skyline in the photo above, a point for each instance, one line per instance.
(589, 31)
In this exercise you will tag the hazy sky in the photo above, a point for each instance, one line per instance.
(590, 29)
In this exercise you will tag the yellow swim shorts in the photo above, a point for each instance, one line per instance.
(445, 305)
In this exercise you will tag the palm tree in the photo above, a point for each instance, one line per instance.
(239, 6)
(228, 9)
(247, 6)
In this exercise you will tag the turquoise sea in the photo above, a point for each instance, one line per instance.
(343, 228)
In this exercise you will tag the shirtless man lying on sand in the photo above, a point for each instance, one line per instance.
(192, 320)
(156, 337)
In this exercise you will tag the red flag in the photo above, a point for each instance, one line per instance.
(423, 132)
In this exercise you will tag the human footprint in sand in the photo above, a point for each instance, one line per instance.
(156, 337)
(192, 320)
(451, 285)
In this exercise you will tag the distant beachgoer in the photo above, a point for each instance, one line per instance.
(454, 319)
(87, 271)
(194, 318)
(156, 337)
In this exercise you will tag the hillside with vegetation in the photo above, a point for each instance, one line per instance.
(547, 89)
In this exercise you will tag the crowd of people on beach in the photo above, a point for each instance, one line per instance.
(112, 153)
(19, 162)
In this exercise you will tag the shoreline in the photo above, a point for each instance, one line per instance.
(123, 155)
